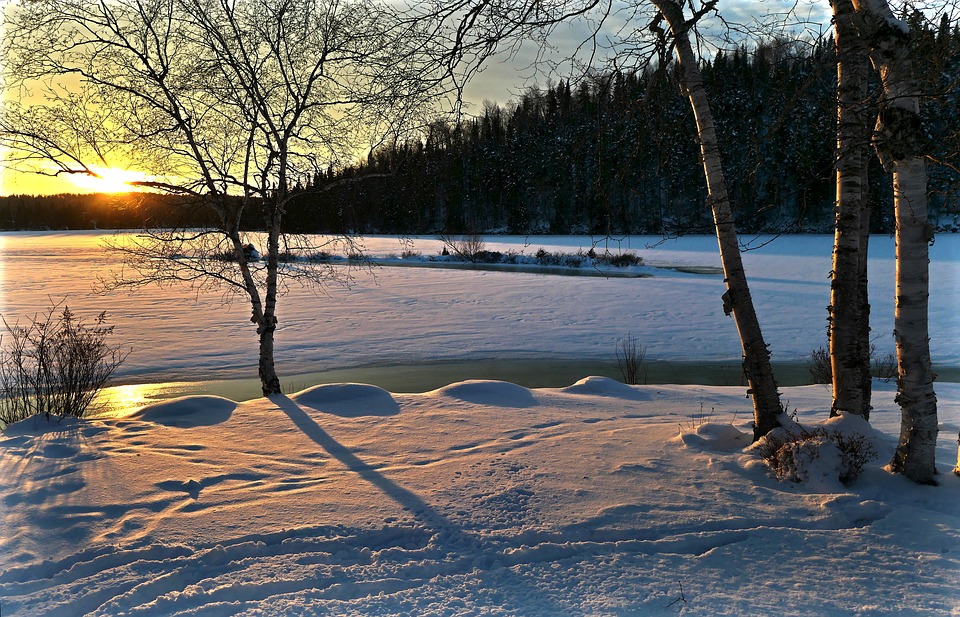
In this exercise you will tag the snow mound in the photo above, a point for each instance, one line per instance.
(714, 437)
(349, 400)
(822, 456)
(188, 411)
(852, 424)
(604, 386)
(488, 392)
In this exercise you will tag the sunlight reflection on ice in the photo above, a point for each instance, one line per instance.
(121, 401)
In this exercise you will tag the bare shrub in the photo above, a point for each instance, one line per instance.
(631, 359)
(467, 247)
(821, 372)
(546, 258)
(622, 260)
(819, 366)
(790, 455)
(55, 365)
(885, 368)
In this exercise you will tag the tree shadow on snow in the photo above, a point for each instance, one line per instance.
(450, 538)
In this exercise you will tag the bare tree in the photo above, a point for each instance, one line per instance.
(899, 143)
(227, 103)
(737, 299)
(473, 31)
(849, 322)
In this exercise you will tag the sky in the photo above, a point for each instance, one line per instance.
(502, 79)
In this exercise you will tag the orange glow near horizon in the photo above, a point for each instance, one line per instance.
(109, 181)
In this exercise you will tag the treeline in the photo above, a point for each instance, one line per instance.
(615, 153)
(100, 211)
(618, 153)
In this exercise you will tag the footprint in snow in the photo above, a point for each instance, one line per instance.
(191, 487)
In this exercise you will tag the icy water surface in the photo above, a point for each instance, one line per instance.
(120, 400)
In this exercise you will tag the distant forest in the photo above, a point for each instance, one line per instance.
(614, 153)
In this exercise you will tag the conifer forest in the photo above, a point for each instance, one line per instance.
(615, 152)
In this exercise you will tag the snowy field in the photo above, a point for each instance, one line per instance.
(411, 315)
(480, 497)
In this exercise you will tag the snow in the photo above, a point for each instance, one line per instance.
(405, 316)
(480, 497)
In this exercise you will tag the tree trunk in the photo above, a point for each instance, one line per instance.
(898, 140)
(866, 374)
(737, 299)
(956, 469)
(916, 452)
(849, 327)
(269, 381)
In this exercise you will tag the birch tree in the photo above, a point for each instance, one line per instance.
(849, 318)
(737, 299)
(899, 143)
(225, 102)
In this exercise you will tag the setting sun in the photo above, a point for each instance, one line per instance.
(108, 180)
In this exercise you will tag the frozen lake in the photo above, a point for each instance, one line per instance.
(419, 318)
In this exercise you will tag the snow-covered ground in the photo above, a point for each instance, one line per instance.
(481, 497)
(411, 315)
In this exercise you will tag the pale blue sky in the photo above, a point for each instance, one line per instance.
(504, 77)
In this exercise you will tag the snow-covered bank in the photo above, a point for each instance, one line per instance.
(412, 315)
(477, 498)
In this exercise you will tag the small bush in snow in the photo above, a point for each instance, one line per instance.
(250, 253)
(546, 258)
(885, 368)
(466, 247)
(511, 257)
(631, 359)
(487, 257)
(622, 260)
(799, 455)
(55, 365)
(319, 256)
(819, 366)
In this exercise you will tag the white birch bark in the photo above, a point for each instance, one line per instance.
(898, 140)
(849, 312)
(737, 299)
